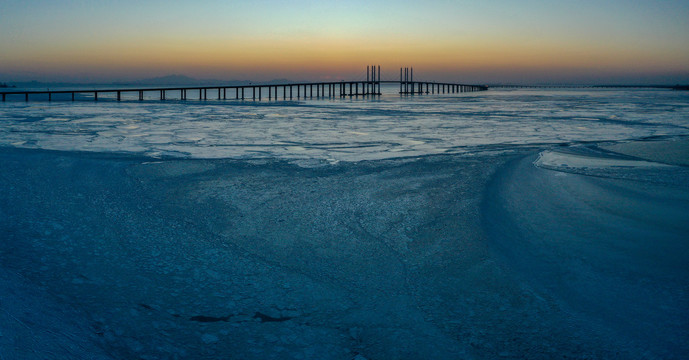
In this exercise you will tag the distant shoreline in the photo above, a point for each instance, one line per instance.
(673, 87)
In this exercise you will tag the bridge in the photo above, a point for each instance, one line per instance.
(368, 87)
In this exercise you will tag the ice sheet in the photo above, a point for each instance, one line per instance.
(344, 129)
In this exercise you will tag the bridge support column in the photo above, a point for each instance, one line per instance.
(378, 74)
(401, 79)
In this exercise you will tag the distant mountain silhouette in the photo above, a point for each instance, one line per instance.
(177, 79)
(167, 80)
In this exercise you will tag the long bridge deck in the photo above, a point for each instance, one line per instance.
(255, 91)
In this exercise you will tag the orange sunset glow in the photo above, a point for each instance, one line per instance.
(499, 42)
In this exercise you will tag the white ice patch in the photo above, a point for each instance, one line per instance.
(555, 159)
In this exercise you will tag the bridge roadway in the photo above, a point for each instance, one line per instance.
(256, 92)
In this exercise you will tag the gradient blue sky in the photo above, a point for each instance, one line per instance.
(475, 41)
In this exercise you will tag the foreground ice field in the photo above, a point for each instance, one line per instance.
(508, 251)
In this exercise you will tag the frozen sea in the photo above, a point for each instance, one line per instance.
(335, 130)
(510, 223)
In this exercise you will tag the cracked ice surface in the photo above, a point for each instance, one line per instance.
(524, 238)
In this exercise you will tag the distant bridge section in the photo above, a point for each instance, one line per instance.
(411, 87)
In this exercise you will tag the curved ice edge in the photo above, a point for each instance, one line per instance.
(530, 215)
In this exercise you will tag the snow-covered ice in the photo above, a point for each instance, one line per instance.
(500, 224)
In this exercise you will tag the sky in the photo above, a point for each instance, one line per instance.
(487, 41)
